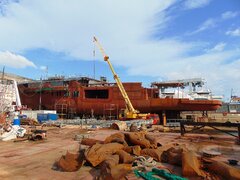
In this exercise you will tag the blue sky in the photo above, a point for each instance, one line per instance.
(146, 40)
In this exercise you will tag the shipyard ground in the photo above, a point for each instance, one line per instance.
(35, 159)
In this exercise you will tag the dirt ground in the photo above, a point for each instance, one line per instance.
(35, 159)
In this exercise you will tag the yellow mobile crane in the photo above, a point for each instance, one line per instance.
(129, 112)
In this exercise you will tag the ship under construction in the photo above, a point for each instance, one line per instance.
(83, 96)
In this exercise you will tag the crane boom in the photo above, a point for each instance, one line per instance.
(130, 109)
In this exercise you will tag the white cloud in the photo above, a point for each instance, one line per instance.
(122, 28)
(14, 60)
(235, 32)
(209, 23)
(229, 14)
(213, 22)
(218, 47)
(193, 4)
(44, 68)
(216, 67)
(69, 26)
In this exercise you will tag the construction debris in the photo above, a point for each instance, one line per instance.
(118, 152)
(12, 132)
(37, 135)
(223, 170)
(138, 138)
(117, 155)
(210, 153)
(191, 165)
(154, 153)
(119, 171)
(107, 165)
(173, 156)
(117, 137)
(2, 118)
(124, 157)
(80, 137)
(133, 127)
(70, 162)
(233, 162)
(99, 152)
(90, 142)
(29, 121)
(135, 150)
(120, 125)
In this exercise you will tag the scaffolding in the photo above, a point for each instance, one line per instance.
(71, 112)
(7, 96)
(110, 111)
(62, 110)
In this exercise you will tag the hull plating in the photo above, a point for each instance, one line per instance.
(101, 99)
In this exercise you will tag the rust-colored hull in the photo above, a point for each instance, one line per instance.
(145, 100)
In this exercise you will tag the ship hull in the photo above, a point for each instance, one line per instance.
(105, 99)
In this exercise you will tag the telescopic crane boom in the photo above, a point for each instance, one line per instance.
(130, 112)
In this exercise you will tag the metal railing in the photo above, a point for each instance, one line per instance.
(176, 122)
